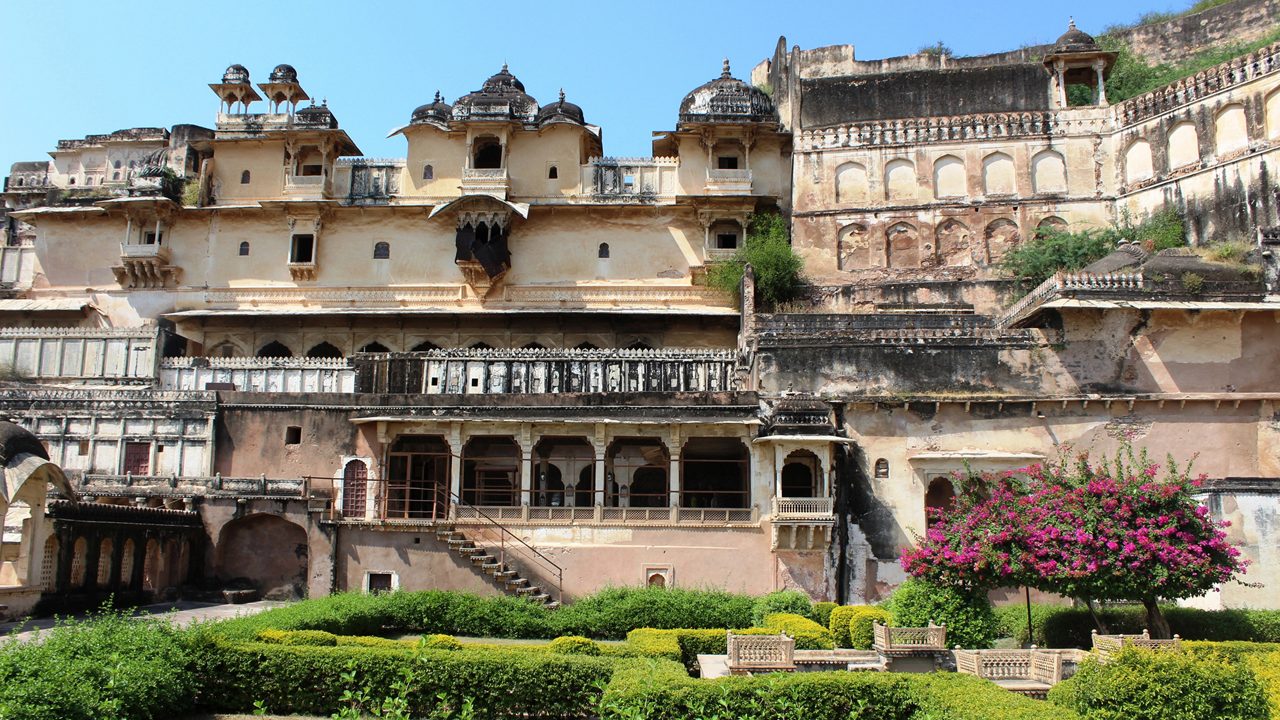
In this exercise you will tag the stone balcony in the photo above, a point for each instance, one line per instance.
(728, 182)
(145, 266)
(306, 187)
(486, 181)
(802, 524)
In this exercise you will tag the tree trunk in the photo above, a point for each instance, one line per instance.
(1156, 624)
(1098, 622)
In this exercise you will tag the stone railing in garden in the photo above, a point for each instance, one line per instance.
(750, 654)
(1108, 645)
(910, 639)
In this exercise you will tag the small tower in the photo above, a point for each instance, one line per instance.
(235, 89)
(1076, 59)
(282, 89)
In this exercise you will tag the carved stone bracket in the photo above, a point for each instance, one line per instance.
(476, 277)
(145, 274)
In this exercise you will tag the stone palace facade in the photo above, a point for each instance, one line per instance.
(270, 365)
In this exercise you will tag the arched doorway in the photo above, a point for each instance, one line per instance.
(418, 477)
(491, 471)
(558, 463)
(278, 575)
(714, 473)
(637, 473)
(355, 483)
(488, 154)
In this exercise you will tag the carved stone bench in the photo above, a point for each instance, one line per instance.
(750, 654)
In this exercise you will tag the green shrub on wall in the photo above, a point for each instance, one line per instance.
(970, 620)
(1138, 684)
(780, 601)
(1063, 626)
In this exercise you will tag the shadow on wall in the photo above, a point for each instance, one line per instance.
(254, 552)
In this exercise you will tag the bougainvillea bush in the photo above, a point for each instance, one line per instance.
(1124, 529)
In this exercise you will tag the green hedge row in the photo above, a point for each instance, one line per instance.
(1065, 626)
(312, 679)
(607, 615)
(660, 690)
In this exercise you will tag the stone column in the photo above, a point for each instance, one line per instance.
(455, 465)
(1100, 67)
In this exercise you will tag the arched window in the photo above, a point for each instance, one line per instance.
(882, 469)
(71, 181)
(553, 173)
(1049, 172)
(355, 478)
(324, 350)
(115, 175)
(78, 552)
(1137, 162)
(603, 251)
(533, 346)
(998, 175)
(491, 471)
(636, 472)
(127, 564)
(382, 251)
(244, 178)
(900, 180)
(375, 347)
(586, 346)
(851, 183)
(275, 349)
(481, 346)
(1231, 130)
(88, 181)
(425, 346)
(428, 172)
(639, 345)
(116, 165)
(949, 177)
(800, 475)
(488, 154)
(244, 248)
(105, 556)
(938, 499)
(19, 182)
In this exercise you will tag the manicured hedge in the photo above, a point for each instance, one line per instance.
(573, 645)
(309, 680)
(1065, 626)
(862, 633)
(1137, 684)
(684, 645)
(658, 690)
(968, 615)
(809, 635)
(608, 615)
(1262, 658)
(821, 613)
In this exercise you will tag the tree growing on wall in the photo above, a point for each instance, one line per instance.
(1117, 530)
(768, 250)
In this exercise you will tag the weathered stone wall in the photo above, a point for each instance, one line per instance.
(1232, 23)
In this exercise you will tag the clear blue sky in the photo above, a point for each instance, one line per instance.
(74, 67)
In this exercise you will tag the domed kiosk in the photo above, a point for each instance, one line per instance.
(1077, 59)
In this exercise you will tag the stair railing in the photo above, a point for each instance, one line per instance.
(497, 534)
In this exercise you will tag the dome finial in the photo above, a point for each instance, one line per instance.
(437, 96)
(1072, 23)
(504, 66)
(725, 73)
(562, 96)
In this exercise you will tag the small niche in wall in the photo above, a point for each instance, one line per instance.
(293, 435)
(882, 469)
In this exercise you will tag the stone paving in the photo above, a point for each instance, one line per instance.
(181, 613)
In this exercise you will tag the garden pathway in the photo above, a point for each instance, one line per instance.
(181, 614)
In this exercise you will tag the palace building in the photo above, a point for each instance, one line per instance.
(269, 365)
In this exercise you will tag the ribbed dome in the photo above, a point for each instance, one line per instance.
(317, 115)
(236, 75)
(501, 98)
(561, 111)
(435, 111)
(503, 80)
(16, 440)
(1075, 40)
(284, 74)
(727, 99)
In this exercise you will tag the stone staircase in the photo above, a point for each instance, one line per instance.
(503, 573)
